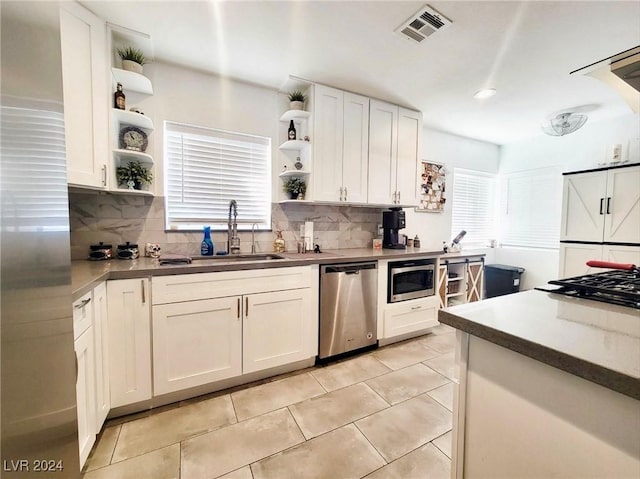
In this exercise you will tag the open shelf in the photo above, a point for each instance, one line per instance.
(288, 173)
(295, 145)
(132, 81)
(295, 115)
(133, 155)
(132, 118)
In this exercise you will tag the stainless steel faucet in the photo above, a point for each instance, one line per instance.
(233, 241)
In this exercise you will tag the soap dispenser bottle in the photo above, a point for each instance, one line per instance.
(206, 248)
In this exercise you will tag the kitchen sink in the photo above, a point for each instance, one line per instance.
(238, 257)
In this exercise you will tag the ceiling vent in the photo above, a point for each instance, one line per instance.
(425, 22)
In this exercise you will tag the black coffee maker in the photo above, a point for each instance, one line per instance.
(392, 222)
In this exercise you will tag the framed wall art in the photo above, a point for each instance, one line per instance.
(432, 188)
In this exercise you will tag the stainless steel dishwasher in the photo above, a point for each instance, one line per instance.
(348, 294)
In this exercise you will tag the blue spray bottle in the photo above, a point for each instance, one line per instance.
(206, 248)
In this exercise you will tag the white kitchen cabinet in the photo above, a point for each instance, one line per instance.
(196, 342)
(84, 73)
(85, 393)
(82, 314)
(213, 326)
(410, 316)
(276, 329)
(602, 206)
(129, 341)
(395, 139)
(574, 256)
(341, 122)
(460, 281)
(101, 348)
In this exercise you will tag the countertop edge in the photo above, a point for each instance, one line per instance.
(90, 280)
(595, 373)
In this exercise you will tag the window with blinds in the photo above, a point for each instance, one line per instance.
(530, 208)
(473, 207)
(207, 168)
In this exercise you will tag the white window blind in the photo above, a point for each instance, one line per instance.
(473, 206)
(206, 168)
(33, 139)
(530, 204)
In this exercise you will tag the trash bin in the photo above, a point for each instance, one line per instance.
(500, 279)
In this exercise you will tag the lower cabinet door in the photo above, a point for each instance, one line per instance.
(129, 341)
(475, 277)
(276, 328)
(196, 342)
(410, 316)
(100, 335)
(574, 256)
(85, 393)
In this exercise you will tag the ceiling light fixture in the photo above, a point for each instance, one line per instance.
(563, 124)
(484, 93)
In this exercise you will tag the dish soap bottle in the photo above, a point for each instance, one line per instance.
(278, 243)
(206, 248)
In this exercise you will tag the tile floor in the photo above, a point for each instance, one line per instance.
(381, 414)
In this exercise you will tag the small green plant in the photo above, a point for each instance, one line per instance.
(297, 95)
(295, 186)
(135, 172)
(133, 54)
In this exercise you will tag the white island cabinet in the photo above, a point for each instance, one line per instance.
(552, 394)
(213, 326)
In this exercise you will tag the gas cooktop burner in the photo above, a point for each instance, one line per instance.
(616, 287)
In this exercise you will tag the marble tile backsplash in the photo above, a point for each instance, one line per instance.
(116, 219)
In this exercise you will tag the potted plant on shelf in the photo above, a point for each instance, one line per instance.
(296, 187)
(296, 99)
(133, 175)
(132, 59)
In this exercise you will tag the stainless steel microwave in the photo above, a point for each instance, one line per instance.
(411, 279)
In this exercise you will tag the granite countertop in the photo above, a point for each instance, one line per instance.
(593, 340)
(85, 274)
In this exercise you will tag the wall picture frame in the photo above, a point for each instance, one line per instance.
(432, 187)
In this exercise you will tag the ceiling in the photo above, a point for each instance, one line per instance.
(525, 50)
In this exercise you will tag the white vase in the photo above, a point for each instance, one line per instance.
(296, 105)
(132, 66)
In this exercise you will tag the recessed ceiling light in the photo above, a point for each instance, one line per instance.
(484, 93)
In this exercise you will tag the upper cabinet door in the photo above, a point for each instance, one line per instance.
(84, 75)
(355, 157)
(584, 206)
(622, 206)
(383, 152)
(409, 154)
(327, 160)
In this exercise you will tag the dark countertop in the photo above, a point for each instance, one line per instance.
(85, 274)
(593, 340)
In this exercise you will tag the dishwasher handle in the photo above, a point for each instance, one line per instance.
(348, 268)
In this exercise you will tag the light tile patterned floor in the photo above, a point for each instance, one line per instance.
(382, 414)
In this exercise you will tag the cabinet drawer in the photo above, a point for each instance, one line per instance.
(82, 315)
(189, 287)
(410, 316)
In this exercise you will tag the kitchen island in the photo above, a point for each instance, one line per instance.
(547, 386)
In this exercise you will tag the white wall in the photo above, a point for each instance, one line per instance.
(454, 152)
(584, 149)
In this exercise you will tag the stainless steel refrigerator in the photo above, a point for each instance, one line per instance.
(38, 364)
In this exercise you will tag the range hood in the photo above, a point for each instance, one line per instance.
(628, 69)
(621, 72)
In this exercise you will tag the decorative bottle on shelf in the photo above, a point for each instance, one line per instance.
(292, 131)
(206, 248)
(118, 98)
(278, 243)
